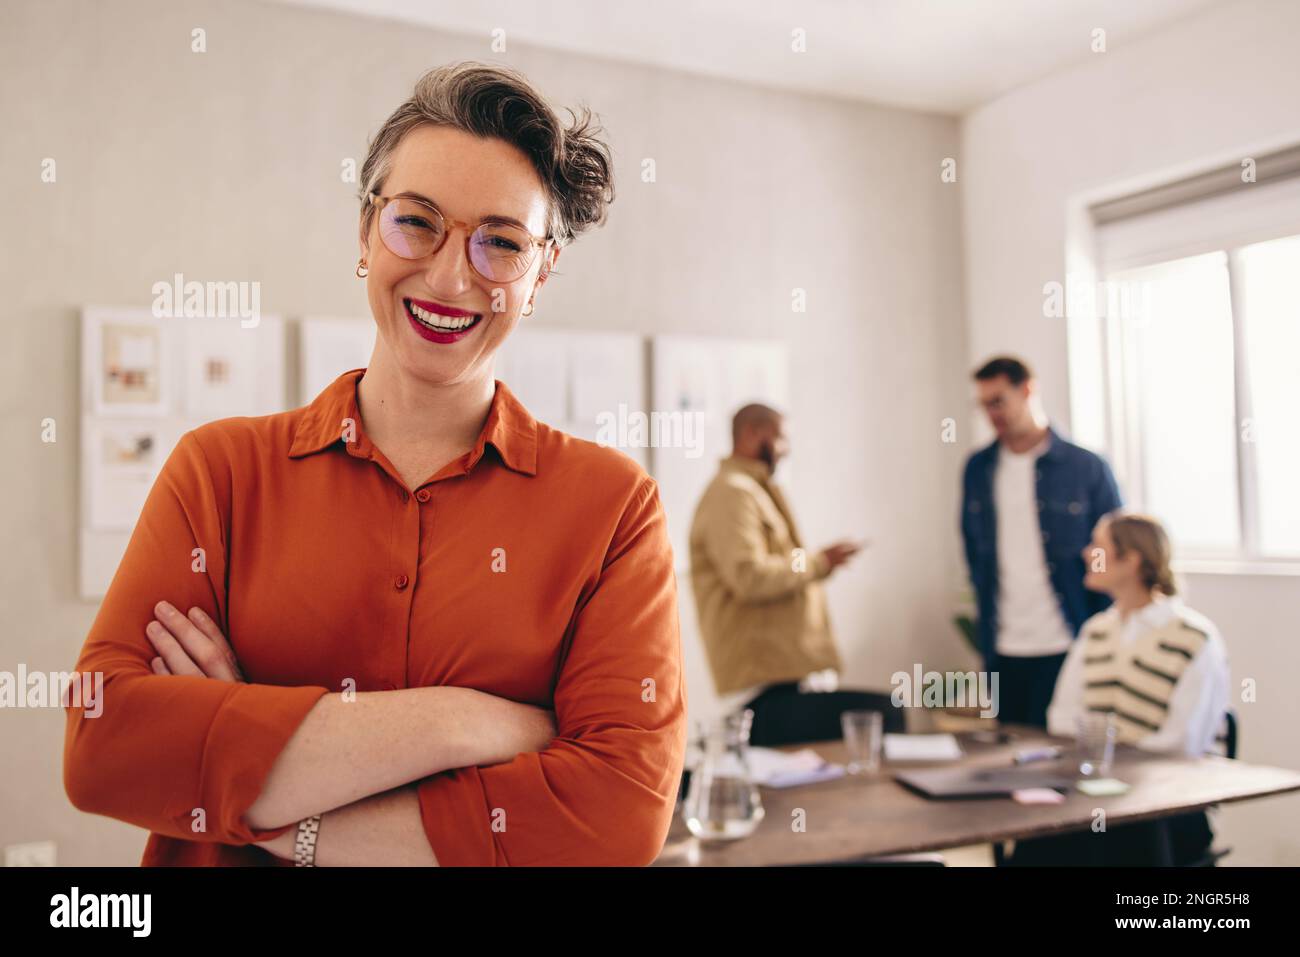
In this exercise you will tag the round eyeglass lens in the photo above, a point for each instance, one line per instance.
(499, 252)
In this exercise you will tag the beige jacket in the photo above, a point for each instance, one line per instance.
(761, 608)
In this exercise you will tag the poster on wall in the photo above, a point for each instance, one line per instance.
(584, 383)
(697, 385)
(221, 371)
(330, 347)
(124, 352)
(122, 459)
(145, 382)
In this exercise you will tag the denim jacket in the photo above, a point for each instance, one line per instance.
(1075, 488)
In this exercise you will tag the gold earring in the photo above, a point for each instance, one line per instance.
(362, 269)
(528, 310)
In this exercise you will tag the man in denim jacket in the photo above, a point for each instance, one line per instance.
(1030, 501)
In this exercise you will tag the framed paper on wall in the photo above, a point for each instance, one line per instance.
(330, 347)
(145, 382)
(707, 379)
(123, 354)
(582, 383)
(121, 459)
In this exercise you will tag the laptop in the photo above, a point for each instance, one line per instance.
(981, 782)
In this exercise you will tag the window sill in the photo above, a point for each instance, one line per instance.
(1236, 566)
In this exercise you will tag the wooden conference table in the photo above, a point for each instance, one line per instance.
(871, 815)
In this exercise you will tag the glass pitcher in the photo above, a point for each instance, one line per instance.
(722, 800)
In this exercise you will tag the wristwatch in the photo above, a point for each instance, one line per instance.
(304, 845)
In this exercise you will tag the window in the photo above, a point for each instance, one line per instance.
(1270, 294)
(1206, 368)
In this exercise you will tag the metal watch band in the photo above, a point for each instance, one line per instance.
(304, 845)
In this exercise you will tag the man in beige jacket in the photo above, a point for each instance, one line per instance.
(761, 607)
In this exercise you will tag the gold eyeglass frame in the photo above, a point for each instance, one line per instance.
(379, 202)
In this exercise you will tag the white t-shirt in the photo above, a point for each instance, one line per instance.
(1029, 616)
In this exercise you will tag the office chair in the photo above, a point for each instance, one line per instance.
(785, 717)
(1228, 739)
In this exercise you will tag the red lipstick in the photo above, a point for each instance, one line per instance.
(435, 315)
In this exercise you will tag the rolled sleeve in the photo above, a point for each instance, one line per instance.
(182, 756)
(604, 791)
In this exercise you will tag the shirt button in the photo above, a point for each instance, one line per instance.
(403, 494)
(401, 582)
(422, 495)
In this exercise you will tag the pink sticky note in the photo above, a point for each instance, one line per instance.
(1037, 796)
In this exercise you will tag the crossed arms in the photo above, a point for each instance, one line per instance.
(491, 781)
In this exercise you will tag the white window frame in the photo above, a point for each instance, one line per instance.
(1101, 355)
(1122, 366)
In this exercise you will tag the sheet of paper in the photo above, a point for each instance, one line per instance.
(782, 769)
(921, 747)
(607, 370)
(329, 348)
(534, 365)
(122, 459)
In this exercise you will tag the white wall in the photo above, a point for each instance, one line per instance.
(1219, 84)
(225, 166)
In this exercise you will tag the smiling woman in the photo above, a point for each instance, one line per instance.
(408, 623)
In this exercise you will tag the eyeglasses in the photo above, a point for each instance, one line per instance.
(414, 229)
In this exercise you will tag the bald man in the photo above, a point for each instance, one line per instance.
(761, 607)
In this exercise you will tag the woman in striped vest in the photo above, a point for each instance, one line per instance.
(1159, 667)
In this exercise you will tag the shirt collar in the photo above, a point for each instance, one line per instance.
(1055, 446)
(510, 428)
(1052, 446)
(1156, 614)
(755, 468)
(1161, 610)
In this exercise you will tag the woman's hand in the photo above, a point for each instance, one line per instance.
(192, 645)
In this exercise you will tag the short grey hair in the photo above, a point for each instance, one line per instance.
(575, 167)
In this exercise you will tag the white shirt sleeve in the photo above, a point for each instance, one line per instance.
(1197, 705)
(1066, 709)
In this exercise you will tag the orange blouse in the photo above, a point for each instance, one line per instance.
(540, 572)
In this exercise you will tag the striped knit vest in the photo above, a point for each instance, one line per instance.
(1137, 681)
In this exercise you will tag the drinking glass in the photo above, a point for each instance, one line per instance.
(1097, 733)
(863, 735)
